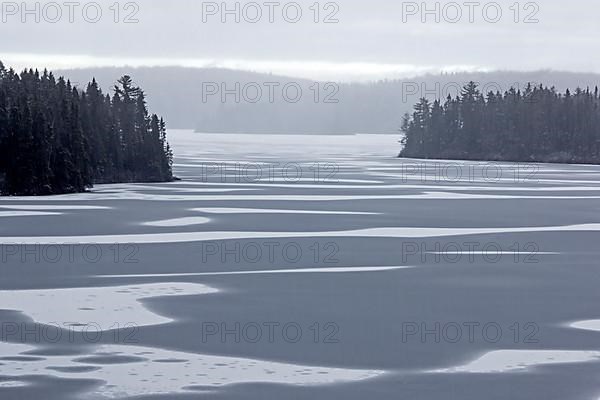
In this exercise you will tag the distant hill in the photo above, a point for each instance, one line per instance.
(177, 94)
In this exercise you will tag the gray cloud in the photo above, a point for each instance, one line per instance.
(371, 40)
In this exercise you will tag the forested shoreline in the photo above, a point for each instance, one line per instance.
(55, 138)
(535, 125)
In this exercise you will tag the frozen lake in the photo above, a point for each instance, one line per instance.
(306, 267)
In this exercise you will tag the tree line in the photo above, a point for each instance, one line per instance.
(56, 138)
(537, 124)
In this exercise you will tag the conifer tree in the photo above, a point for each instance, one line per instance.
(55, 138)
(537, 124)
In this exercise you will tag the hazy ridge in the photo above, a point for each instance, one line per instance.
(177, 94)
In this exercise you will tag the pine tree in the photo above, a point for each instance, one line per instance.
(57, 139)
(537, 124)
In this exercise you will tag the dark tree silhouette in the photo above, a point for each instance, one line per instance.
(57, 139)
(536, 125)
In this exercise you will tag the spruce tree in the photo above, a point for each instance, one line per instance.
(537, 124)
(55, 138)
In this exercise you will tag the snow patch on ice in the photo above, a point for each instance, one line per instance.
(185, 221)
(184, 237)
(264, 272)
(214, 210)
(96, 307)
(521, 360)
(152, 371)
(10, 214)
(48, 207)
(591, 325)
(12, 384)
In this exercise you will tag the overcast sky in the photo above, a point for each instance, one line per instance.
(371, 39)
